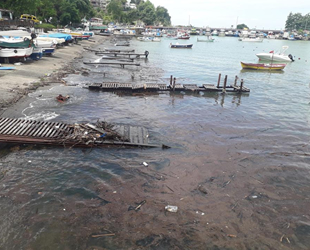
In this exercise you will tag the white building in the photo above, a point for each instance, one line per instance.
(102, 4)
(131, 5)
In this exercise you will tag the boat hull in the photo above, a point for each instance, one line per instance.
(262, 66)
(246, 39)
(17, 52)
(273, 57)
(181, 46)
(20, 43)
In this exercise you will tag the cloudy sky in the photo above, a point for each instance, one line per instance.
(268, 14)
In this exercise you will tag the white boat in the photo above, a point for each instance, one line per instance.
(229, 33)
(276, 56)
(222, 33)
(16, 52)
(214, 33)
(149, 39)
(250, 39)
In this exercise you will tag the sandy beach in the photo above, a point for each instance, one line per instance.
(49, 70)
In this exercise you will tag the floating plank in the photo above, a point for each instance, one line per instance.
(55, 133)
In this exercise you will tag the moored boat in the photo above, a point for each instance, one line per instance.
(181, 46)
(276, 56)
(250, 39)
(184, 36)
(263, 66)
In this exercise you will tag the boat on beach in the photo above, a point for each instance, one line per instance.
(263, 66)
(16, 52)
(181, 46)
(276, 56)
(10, 42)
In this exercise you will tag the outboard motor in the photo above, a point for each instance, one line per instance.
(291, 57)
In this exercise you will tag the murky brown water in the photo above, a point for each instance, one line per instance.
(238, 170)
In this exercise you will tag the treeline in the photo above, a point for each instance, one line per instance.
(297, 22)
(55, 11)
(66, 12)
(145, 11)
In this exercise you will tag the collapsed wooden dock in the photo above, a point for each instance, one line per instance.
(172, 87)
(101, 134)
(122, 64)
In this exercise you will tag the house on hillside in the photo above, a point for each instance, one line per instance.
(102, 4)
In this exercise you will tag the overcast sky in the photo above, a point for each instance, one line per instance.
(267, 14)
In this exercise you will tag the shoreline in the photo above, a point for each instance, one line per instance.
(48, 71)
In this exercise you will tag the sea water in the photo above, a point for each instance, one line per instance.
(231, 139)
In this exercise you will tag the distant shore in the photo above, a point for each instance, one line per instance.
(30, 75)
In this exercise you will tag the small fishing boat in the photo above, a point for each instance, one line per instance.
(263, 66)
(16, 52)
(9, 42)
(184, 37)
(149, 39)
(181, 46)
(250, 39)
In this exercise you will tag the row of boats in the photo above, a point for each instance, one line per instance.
(273, 58)
(19, 44)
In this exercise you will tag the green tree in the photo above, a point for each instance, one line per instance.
(147, 12)
(115, 9)
(162, 16)
(242, 26)
(69, 13)
(296, 21)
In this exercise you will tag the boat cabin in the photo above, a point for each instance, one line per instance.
(6, 15)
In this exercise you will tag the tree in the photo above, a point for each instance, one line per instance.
(162, 16)
(115, 9)
(242, 26)
(147, 12)
(296, 21)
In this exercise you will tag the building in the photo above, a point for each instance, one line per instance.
(102, 4)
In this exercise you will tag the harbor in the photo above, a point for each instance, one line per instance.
(236, 167)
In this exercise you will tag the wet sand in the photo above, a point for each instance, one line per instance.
(49, 70)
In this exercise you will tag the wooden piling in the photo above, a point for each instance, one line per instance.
(241, 85)
(171, 80)
(219, 81)
(174, 84)
(225, 82)
(236, 79)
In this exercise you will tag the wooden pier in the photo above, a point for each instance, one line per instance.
(24, 131)
(172, 87)
(111, 53)
(122, 64)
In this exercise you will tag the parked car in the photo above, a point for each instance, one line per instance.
(29, 18)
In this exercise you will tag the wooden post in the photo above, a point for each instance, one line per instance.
(225, 82)
(241, 85)
(174, 84)
(218, 81)
(171, 80)
(236, 79)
